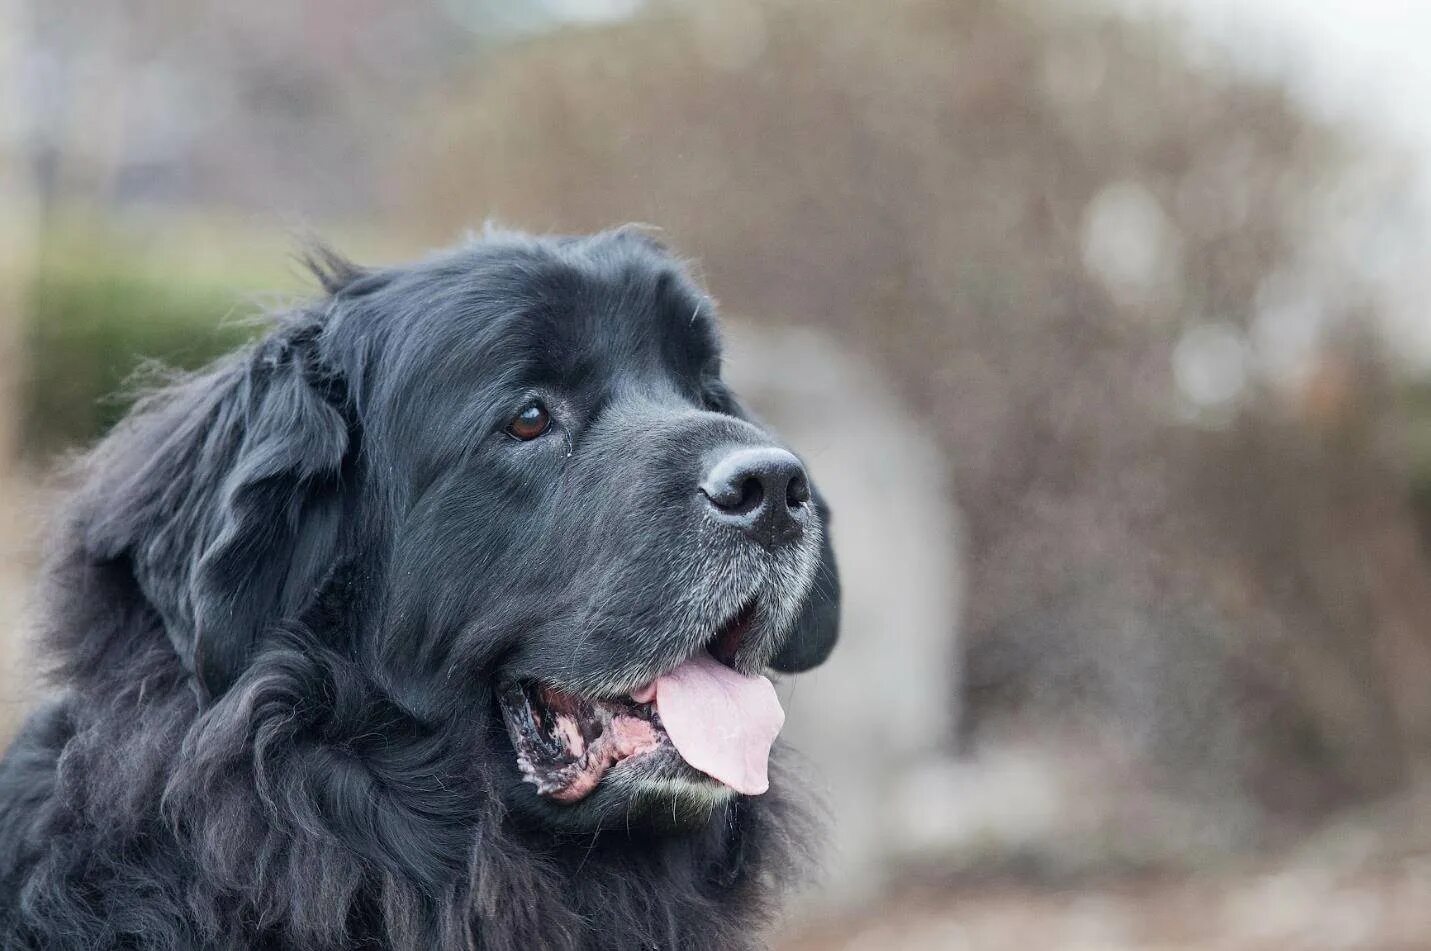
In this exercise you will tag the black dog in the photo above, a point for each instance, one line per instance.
(433, 620)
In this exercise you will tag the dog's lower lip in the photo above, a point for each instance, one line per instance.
(566, 743)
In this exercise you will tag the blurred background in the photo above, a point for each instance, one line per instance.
(1103, 324)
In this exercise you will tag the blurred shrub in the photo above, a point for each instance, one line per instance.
(91, 329)
(102, 303)
(1109, 283)
(1417, 402)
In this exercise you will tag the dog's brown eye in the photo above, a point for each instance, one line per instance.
(531, 422)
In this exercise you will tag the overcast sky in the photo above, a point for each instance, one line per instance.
(1358, 59)
(1362, 62)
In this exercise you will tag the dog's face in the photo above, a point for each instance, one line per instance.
(577, 552)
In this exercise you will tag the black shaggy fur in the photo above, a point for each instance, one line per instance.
(286, 588)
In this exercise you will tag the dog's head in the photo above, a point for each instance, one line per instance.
(511, 486)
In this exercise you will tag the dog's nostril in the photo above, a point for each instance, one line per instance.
(762, 491)
(797, 493)
(752, 493)
(737, 497)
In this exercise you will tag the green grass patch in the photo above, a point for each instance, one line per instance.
(101, 306)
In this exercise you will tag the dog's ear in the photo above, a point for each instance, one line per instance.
(278, 509)
(818, 626)
(223, 496)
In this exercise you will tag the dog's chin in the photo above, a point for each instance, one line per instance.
(590, 763)
(657, 791)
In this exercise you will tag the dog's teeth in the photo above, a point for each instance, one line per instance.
(568, 734)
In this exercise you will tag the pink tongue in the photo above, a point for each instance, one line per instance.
(721, 722)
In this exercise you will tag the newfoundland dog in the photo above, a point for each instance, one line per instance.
(435, 619)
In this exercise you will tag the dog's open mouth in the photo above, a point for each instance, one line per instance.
(720, 722)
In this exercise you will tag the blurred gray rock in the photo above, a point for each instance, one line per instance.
(869, 721)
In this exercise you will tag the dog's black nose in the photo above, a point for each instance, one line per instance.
(763, 492)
